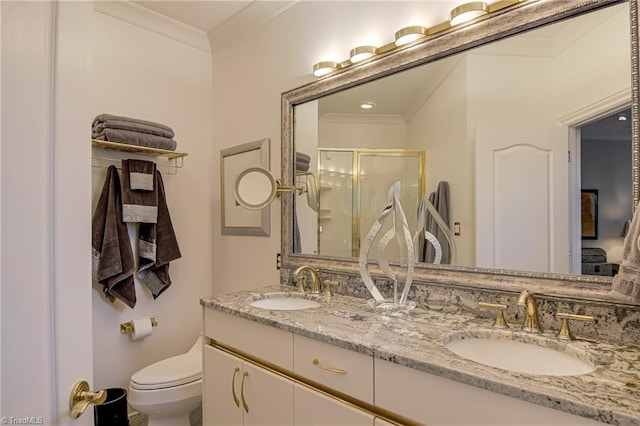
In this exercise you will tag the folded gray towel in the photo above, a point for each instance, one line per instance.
(98, 129)
(157, 246)
(112, 258)
(101, 118)
(137, 206)
(302, 157)
(301, 166)
(137, 138)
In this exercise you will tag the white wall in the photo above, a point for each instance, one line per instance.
(139, 73)
(251, 73)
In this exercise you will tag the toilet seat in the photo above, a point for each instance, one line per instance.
(170, 372)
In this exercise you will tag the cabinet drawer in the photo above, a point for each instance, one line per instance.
(353, 372)
(438, 401)
(261, 341)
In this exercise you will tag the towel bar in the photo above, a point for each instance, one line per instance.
(127, 327)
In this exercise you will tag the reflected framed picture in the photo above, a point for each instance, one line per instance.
(589, 214)
(236, 220)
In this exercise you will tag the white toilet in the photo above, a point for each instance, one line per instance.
(168, 390)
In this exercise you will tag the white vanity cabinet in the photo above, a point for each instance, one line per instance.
(240, 393)
(312, 408)
(237, 390)
(437, 401)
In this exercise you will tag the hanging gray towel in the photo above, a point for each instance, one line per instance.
(138, 205)
(112, 257)
(626, 283)
(440, 200)
(157, 246)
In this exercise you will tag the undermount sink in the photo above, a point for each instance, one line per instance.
(523, 354)
(282, 301)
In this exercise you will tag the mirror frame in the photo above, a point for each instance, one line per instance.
(505, 23)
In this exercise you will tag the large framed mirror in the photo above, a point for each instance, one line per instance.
(517, 114)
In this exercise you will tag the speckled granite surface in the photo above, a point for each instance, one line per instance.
(418, 341)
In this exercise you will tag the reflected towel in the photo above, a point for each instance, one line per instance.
(137, 206)
(138, 139)
(302, 157)
(626, 284)
(301, 166)
(440, 200)
(157, 246)
(112, 257)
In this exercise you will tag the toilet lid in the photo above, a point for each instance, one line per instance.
(170, 372)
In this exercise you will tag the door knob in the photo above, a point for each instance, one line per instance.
(81, 397)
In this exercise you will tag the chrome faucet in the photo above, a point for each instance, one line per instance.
(531, 321)
(315, 281)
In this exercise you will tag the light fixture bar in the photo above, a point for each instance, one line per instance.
(325, 67)
(467, 12)
(410, 35)
(360, 53)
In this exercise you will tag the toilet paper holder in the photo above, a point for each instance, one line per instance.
(127, 327)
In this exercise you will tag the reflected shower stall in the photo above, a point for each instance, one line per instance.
(353, 191)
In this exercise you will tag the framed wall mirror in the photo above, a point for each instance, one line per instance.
(509, 112)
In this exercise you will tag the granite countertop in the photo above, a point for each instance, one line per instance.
(418, 341)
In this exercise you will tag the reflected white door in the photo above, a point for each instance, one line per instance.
(522, 209)
(45, 210)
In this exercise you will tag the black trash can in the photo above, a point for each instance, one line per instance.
(113, 412)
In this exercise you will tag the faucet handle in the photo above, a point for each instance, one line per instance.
(565, 333)
(327, 286)
(301, 281)
(500, 322)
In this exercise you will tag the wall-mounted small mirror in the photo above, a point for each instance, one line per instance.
(255, 188)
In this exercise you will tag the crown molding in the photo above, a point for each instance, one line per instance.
(251, 17)
(155, 22)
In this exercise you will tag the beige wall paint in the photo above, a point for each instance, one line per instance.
(249, 76)
(139, 73)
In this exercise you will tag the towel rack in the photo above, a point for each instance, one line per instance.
(175, 158)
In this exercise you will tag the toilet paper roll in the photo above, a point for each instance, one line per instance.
(141, 328)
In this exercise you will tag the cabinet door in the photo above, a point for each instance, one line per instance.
(268, 397)
(222, 378)
(314, 408)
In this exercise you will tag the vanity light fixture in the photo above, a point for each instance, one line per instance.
(325, 67)
(409, 34)
(367, 105)
(360, 53)
(467, 12)
(416, 33)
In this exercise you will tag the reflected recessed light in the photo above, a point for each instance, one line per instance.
(367, 105)
(467, 12)
(409, 34)
(361, 53)
(622, 117)
(324, 68)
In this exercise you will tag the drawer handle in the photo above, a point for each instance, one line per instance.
(233, 387)
(244, 401)
(333, 370)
